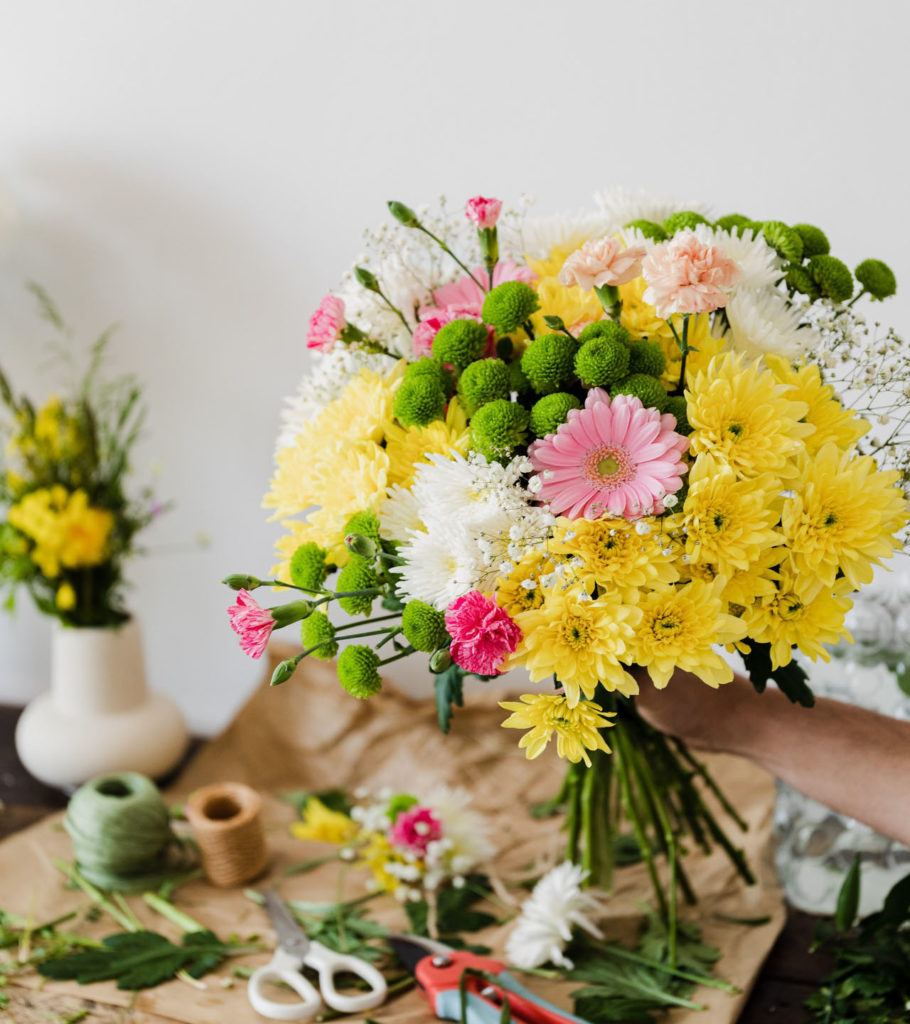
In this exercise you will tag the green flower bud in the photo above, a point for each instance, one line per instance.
(783, 240)
(877, 278)
(294, 611)
(735, 223)
(423, 626)
(403, 214)
(361, 546)
(317, 634)
(815, 241)
(308, 568)
(419, 401)
(551, 411)
(483, 381)
(649, 228)
(358, 671)
(555, 323)
(647, 357)
(284, 670)
(602, 361)
(400, 803)
(357, 575)
(548, 362)
(684, 220)
(498, 428)
(460, 342)
(832, 276)
(677, 406)
(799, 279)
(366, 279)
(241, 581)
(648, 389)
(440, 661)
(509, 305)
(366, 522)
(605, 329)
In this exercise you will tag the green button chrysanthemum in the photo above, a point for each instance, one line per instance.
(815, 241)
(649, 228)
(605, 329)
(317, 634)
(799, 279)
(498, 428)
(551, 411)
(877, 278)
(483, 381)
(460, 342)
(419, 401)
(683, 220)
(602, 361)
(548, 362)
(358, 671)
(647, 357)
(308, 568)
(677, 406)
(783, 240)
(424, 627)
(832, 276)
(735, 223)
(357, 575)
(365, 523)
(509, 305)
(648, 389)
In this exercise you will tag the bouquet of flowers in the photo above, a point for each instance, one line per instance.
(603, 448)
(68, 523)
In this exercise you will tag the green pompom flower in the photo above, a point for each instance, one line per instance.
(648, 389)
(423, 626)
(483, 381)
(498, 428)
(832, 276)
(517, 379)
(419, 401)
(877, 278)
(815, 241)
(547, 362)
(683, 220)
(647, 357)
(425, 367)
(602, 361)
(460, 342)
(365, 523)
(308, 568)
(735, 223)
(508, 306)
(799, 279)
(676, 406)
(358, 671)
(357, 575)
(783, 240)
(649, 229)
(605, 329)
(551, 411)
(318, 633)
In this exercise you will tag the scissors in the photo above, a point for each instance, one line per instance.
(295, 950)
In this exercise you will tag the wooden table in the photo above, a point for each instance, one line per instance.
(788, 977)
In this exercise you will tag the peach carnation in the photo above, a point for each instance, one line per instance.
(602, 261)
(685, 275)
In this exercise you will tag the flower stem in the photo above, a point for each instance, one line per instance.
(393, 308)
(168, 910)
(636, 958)
(397, 657)
(442, 245)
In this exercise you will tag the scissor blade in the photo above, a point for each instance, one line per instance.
(290, 935)
(409, 953)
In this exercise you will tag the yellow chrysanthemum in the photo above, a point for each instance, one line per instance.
(678, 629)
(576, 728)
(323, 825)
(512, 592)
(744, 586)
(614, 555)
(582, 642)
(407, 447)
(831, 420)
(377, 855)
(798, 612)
(363, 411)
(575, 305)
(740, 413)
(843, 517)
(728, 521)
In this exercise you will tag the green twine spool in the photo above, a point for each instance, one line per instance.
(121, 831)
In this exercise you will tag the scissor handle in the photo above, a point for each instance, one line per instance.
(286, 968)
(329, 964)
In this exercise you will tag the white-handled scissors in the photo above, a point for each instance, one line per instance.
(294, 951)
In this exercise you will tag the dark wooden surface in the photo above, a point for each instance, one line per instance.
(789, 976)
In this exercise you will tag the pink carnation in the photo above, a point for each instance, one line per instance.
(326, 324)
(482, 633)
(465, 294)
(252, 623)
(614, 458)
(484, 212)
(685, 275)
(602, 261)
(415, 829)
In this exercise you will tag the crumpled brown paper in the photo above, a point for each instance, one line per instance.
(309, 734)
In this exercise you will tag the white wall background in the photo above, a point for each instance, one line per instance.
(200, 171)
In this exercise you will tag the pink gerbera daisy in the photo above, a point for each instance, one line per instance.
(614, 458)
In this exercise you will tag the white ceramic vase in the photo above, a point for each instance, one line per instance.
(99, 715)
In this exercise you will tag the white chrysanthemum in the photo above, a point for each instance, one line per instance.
(400, 515)
(556, 906)
(440, 565)
(330, 374)
(466, 830)
(538, 235)
(762, 321)
(760, 264)
(620, 205)
(468, 490)
(404, 287)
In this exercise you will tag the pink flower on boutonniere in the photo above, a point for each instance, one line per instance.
(415, 829)
(483, 212)
(483, 633)
(685, 275)
(252, 623)
(326, 324)
(602, 261)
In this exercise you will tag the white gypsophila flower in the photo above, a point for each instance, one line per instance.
(440, 565)
(620, 205)
(399, 515)
(467, 832)
(762, 321)
(556, 906)
(760, 264)
(330, 374)
(372, 817)
(539, 235)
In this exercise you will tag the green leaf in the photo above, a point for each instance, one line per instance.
(454, 910)
(449, 692)
(848, 897)
(790, 679)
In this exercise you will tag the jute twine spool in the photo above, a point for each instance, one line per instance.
(227, 823)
